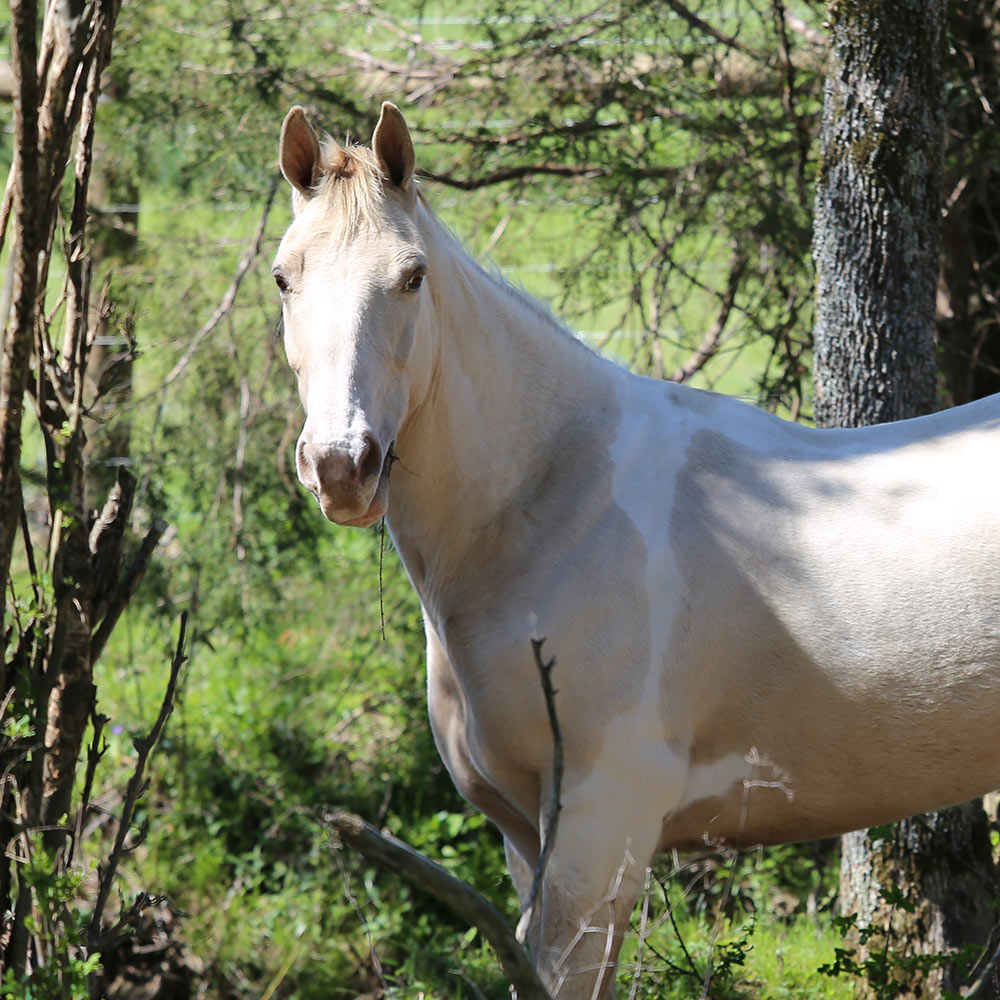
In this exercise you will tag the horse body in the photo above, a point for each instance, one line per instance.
(763, 632)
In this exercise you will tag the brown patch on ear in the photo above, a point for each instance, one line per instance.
(298, 151)
(393, 147)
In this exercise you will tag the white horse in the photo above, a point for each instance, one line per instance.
(764, 632)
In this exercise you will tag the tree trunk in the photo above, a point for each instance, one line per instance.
(876, 246)
(942, 864)
(877, 221)
(27, 244)
(968, 306)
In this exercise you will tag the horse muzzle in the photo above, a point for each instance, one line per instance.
(350, 480)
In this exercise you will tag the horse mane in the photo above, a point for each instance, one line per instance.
(350, 182)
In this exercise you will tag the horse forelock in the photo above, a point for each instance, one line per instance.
(351, 185)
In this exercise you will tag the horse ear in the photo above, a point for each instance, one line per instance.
(393, 146)
(298, 151)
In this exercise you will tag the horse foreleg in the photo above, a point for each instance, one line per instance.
(522, 870)
(589, 886)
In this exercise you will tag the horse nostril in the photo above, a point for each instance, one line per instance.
(304, 465)
(370, 462)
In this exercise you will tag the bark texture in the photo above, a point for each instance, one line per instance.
(113, 231)
(27, 245)
(877, 221)
(876, 248)
(942, 864)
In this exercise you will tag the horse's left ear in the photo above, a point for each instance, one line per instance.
(393, 146)
(298, 151)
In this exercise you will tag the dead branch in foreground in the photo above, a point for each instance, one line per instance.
(417, 869)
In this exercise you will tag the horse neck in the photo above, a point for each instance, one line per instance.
(505, 378)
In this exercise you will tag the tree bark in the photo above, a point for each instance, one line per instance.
(876, 248)
(79, 590)
(877, 220)
(942, 863)
(27, 244)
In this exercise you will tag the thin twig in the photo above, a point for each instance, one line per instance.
(555, 806)
(126, 587)
(94, 754)
(223, 309)
(515, 173)
(228, 300)
(710, 342)
(686, 14)
(727, 890)
(643, 924)
(692, 969)
(136, 785)
(356, 906)
(986, 978)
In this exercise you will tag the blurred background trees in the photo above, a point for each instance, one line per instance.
(649, 168)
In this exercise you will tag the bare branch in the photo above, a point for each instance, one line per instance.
(810, 34)
(17, 340)
(226, 304)
(95, 752)
(555, 807)
(643, 925)
(710, 342)
(106, 536)
(136, 784)
(987, 979)
(686, 14)
(126, 587)
(461, 898)
(513, 174)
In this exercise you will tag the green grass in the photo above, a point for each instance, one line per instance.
(741, 929)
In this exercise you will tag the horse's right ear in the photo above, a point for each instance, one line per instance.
(393, 146)
(298, 151)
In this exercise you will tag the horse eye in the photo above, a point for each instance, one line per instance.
(280, 280)
(414, 281)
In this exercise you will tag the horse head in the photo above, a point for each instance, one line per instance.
(350, 270)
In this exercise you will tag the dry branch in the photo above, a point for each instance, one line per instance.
(686, 14)
(710, 342)
(107, 534)
(552, 820)
(388, 852)
(514, 174)
(225, 306)
(136, 785)
(126, 587)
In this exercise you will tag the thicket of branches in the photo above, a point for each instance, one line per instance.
(69, 571)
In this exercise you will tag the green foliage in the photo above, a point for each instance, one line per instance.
(887, 965)
(58, 925)
(277, 720)
(737, 929)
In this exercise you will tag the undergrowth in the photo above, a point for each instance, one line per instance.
(300, 712)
